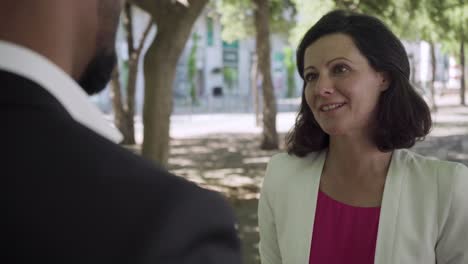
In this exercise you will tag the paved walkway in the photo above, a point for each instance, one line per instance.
(450, 120)
(447, 140)
(220, 152)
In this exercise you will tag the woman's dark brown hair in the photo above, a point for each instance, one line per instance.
(402, 117)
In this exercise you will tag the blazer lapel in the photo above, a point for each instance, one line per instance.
(385, 248)
(303, 213)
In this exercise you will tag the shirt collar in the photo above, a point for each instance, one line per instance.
(35, 67)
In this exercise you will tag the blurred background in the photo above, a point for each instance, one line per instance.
(208, 88)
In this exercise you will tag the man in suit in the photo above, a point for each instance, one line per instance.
(73, 195)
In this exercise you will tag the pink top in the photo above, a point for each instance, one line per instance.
(343, 233)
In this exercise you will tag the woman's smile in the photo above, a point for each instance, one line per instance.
(331, 107)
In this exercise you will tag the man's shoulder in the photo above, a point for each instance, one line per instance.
(121, 162)
(72, 150)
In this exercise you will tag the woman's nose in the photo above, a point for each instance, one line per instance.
(324, 85)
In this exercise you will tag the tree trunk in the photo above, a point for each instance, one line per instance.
(174, 23)
(129, 125)
(131, 88)
(432, 82)
(117, 104)
(253, 84)
(124, 112)
(269, 134)
(462, 77)
(158, 99)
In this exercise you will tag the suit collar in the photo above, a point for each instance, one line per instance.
(32, 66)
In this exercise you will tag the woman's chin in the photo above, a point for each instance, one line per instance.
(334, 131)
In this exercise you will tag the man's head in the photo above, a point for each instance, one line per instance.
(78, 36)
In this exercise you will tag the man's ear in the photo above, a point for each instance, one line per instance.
(385, 80)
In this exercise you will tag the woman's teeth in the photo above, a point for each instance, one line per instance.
(327, 108)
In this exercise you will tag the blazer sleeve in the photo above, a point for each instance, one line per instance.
(269, 248)
(452, 246)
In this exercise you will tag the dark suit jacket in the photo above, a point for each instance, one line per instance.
(74, 197)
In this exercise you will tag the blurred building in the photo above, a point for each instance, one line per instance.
(447, 74)
(223, 70)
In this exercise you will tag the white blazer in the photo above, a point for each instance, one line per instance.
(423, 218)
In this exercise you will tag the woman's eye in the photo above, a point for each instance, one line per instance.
(310, 76)
(340, 68)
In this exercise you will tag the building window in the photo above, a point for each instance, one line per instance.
(209, 30)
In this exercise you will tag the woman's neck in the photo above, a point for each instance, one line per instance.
(356, 159)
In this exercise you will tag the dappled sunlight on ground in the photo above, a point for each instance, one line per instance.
(233, 165)
(452, 148)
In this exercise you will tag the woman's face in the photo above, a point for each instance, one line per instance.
(342, 89)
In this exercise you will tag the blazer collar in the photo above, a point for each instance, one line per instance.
(385, 247)
(308, 187)
(33, 66)
(303, 215)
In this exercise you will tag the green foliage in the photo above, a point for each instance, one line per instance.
(124, 75)
(308, 13)
(192, 68)
(230, 76)
(416, 24)
(452, 18)
(397, 14)
(290, 71)
(237, 17)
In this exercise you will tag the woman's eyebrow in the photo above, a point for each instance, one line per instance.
(338, 58)
(328, 62)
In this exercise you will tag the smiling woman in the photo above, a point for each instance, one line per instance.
(341, 88)
(348, 191)
(340, 58)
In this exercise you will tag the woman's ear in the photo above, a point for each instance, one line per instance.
(384, 81)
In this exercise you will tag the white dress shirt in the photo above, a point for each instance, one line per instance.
(37, 68)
